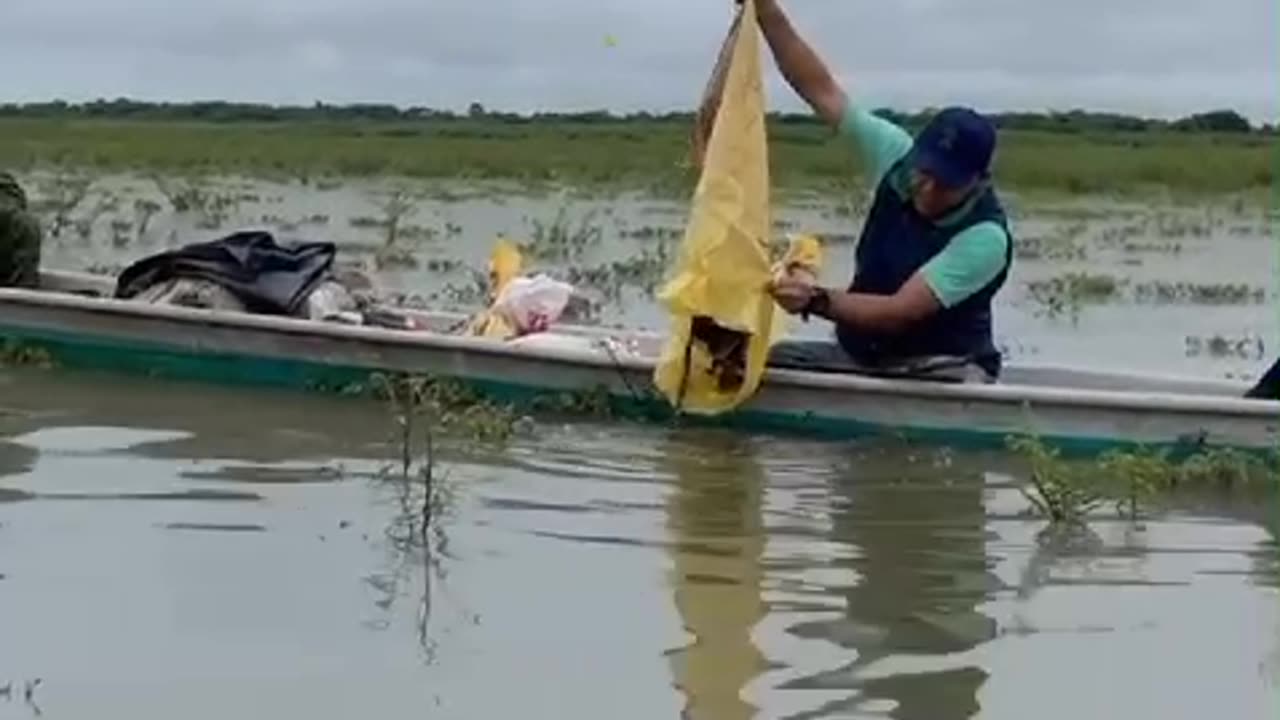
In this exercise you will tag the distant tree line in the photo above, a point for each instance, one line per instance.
(1074, 121)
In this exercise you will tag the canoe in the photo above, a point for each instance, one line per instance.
(73, 322)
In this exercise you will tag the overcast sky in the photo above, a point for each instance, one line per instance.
(1154, 57)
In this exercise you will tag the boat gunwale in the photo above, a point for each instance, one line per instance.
(1000, 393)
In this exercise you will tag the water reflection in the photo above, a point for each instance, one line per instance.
(16, 458)
(714, 514)
(416, 536)
(920, 534)
(188, 422)
(856, 576)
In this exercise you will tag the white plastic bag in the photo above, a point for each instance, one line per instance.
(532, 304)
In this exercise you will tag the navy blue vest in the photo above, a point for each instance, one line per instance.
(896, 242)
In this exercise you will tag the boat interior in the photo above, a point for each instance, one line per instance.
(647, 344)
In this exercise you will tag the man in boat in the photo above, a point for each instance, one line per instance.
(20, 237)
(935, 247)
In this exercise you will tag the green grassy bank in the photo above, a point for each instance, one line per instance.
(633, 153)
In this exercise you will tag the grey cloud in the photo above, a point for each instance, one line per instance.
(1163, 57)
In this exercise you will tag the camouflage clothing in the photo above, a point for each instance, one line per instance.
(20, 237)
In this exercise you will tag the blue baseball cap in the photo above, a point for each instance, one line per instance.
(955, 146)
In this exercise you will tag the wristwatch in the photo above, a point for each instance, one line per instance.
(819, 303)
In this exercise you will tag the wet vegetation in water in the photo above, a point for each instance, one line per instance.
(18, 353)
(195, 196)
(1049, 248)
(1062, 490)
(1069, 292)
(565, 244)
(1248, 347)
(426, 413)
(1051, 153)
(1069, 491)
(1163, 291)
(592, 403)
(562, 240)
(441, 407)
(400, 241)
(643, 271)
(585, 243)
(437, 423)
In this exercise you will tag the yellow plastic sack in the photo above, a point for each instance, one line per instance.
(723, 319)
(504, 264)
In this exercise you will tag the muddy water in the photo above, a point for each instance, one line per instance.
(617, 247)
(174, 551)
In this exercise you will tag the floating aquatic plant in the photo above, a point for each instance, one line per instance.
(1249, 347)
(58, 197)
(143, 210)
(364, 221)
(1048, 248)
(644, 271)
(1066, 491)
(385, 258)
(442, 265)
(1069, 292)
(560, 240)
(1055, 488)
(1162, 291)
(20, 353)
(426, 411)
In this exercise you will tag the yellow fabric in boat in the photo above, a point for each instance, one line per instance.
(723, 319)
(505, 262)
